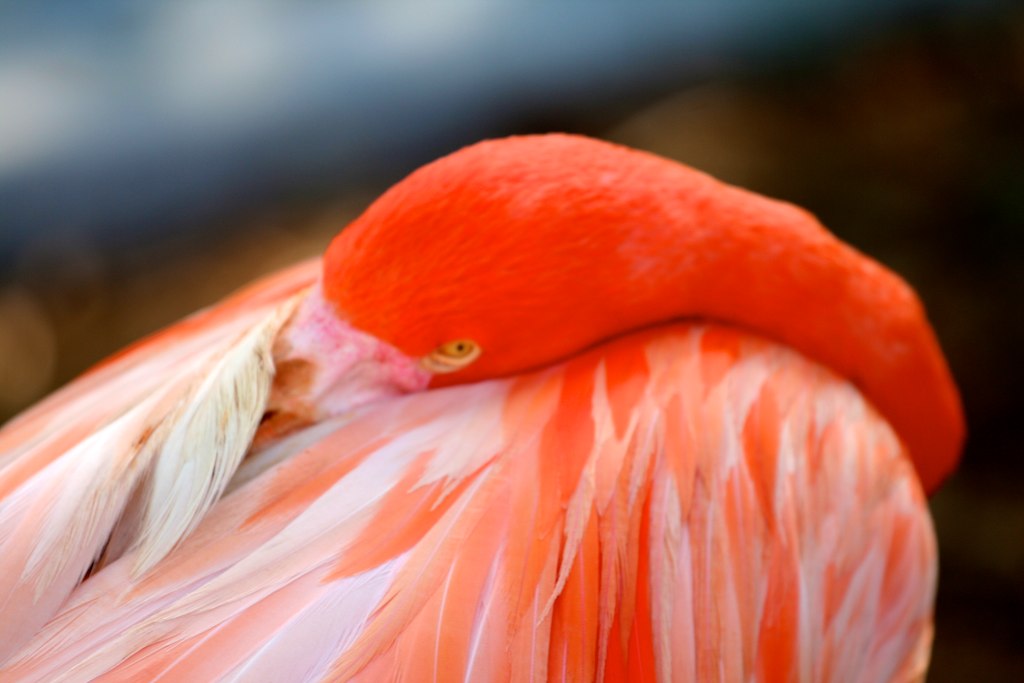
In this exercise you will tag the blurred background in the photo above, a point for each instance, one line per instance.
(154, 156)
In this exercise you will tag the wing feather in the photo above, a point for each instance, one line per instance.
(133, 453)
(687, 503)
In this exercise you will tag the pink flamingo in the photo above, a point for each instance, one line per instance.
(550, 409)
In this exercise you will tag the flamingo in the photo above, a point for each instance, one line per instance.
(550, 409)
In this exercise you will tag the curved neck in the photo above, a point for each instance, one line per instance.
(771, 268)
(538, 247)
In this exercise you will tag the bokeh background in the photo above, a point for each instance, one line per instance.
(154, 156)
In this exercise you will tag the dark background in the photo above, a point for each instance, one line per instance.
(155, 156)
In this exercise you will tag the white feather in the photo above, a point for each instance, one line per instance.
(202, 441)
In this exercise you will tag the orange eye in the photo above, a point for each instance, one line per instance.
(451, 356)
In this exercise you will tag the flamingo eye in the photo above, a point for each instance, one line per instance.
(451, 356)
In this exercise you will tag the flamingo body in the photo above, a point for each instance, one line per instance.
(266, 491)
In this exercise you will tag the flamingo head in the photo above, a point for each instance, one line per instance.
(512, 254)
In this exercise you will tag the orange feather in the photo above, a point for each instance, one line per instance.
(598, 239)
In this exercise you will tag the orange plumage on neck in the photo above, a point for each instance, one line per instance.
(538, 247)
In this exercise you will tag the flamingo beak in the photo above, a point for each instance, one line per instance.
(325, 367)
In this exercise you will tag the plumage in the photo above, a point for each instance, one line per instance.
(693, 501)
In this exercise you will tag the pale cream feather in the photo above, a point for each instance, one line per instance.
(168, 431)
(198, 445)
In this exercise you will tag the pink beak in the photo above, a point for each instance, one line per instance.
(325, 367)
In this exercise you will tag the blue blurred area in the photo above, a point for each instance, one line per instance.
(124, 121)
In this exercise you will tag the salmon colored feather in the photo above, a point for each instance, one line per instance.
(270, 491)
